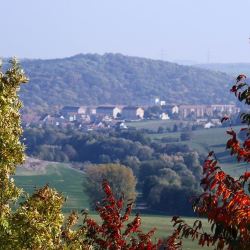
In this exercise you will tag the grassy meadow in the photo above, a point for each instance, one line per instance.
(66, 180)
(154, 124)
(69, 182)
(164, 228)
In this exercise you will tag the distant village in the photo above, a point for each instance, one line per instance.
(116, 116)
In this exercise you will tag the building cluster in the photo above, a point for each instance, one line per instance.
(199, 111)
(110, 115)
(104, 112)
(88, 117)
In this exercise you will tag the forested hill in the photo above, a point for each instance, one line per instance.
(117, 79)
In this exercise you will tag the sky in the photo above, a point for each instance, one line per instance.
(198, 31)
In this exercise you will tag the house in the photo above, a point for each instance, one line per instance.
(123, 125)
(83, 118)
(53, 120)
(216, 121)
(201, 121)
(171, 109)
(111, 111)
(195, 111)
(209, 125)
(132, 113)
(225, 108)
(70, 112)
(164, 116)
(156, 101)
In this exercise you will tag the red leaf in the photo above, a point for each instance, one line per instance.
(210, 153)
(234, 89)
(240, 77)
(225, 118)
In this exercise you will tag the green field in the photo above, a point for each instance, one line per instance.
(66, 180)
(69, 182)
(206, 140)
(203, 141)
(164, 228)
(154, 124)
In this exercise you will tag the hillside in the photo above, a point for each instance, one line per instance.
(116, 79)
(58, 176)
(233, 69)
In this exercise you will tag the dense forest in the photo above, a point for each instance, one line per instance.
(159, 168)
(93, 79)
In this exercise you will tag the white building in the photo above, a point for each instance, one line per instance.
(225, 108)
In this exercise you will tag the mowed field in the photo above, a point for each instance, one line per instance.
(66, 180)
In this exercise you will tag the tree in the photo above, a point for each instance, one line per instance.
(121, 179)
(69, 151)
(225, 200)
(133, 162)
(160, 130)
(113, 233)
(11, 150)
(175, 128)
(38, 221)
(186, 136)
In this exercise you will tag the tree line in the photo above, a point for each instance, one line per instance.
(159, 167)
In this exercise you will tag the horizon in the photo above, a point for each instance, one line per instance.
(191, 32)
(180, 62)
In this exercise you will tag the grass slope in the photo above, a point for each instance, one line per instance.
(66, 180)
(69, 182)
(164, 228)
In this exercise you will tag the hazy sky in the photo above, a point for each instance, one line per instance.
(197, 30)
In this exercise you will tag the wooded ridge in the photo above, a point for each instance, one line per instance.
(93, 79)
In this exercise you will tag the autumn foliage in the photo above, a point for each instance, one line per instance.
(116, 231)
(225, 200)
